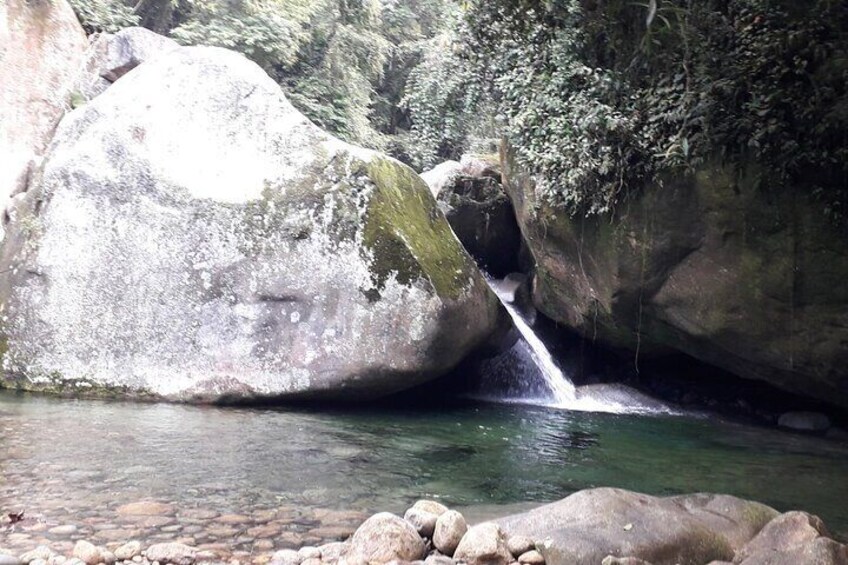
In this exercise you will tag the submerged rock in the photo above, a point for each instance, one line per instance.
(590, 525)
(804, 421)
(192, 236)
(41, 48)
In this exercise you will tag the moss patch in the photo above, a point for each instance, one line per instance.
(408, 236)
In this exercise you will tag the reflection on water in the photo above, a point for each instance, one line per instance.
(63, 460)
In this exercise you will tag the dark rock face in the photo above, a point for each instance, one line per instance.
(479, 211)
(590, 525)
(710, 266)
(192, 236)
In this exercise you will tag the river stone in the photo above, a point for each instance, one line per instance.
(41, 47)
(531, 557)
(423, 516)
(612, 560)
(7, 559)
(820, 551)
(331, 552)
(175, 553)
(145, 508)
(784, 533)
(309, 552)
(40, 552)
(231, 250)
(87, 552)
(286, 557)
(111, 56)
(804, 421)
(591, 524)
(483, 544)
(383, 538)
(128, 550)
(706, 264)
(450, 528)
(518, 545)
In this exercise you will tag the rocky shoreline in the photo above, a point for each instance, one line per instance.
(594, 526)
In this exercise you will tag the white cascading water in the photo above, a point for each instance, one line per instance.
(563, 393)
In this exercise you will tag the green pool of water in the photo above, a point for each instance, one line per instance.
(61, 459)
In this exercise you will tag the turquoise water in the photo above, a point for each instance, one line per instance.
(62, 460)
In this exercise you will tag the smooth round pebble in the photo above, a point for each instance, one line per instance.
(519, 545)
(450, 528)
(531, 557)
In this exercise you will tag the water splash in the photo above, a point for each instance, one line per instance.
(562, 393)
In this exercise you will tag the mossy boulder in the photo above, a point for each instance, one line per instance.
(711, 264)
(191, 236)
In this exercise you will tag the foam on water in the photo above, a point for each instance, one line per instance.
(562, 391)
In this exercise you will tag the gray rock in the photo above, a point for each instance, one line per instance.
(286, 557)
(38, 562)
(40, 552)
(65, 530)
(519, 545)
(479, 211)
(784, 533)
(332, 552)
(450, 528)
(42, 48)
(531, 557)
(7, 559)
(87, 552)
(675, 269)
(107, 556)
(232, 250)
(436, 559)
(175, 553)
(111, 56)
(128, 550)
(592, 524)
(423, 516)
(309, 552)
(311, 561)
(820, 551)
(385, 537)
(612, 560)
(483, 544)
(804, 421)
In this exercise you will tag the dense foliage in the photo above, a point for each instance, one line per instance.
(600, 96)
(597, 96)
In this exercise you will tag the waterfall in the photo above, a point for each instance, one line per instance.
(561, 391)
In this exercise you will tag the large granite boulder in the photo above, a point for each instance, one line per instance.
(112, 55)
(590, 525)
(192, 236)
(711, 265)
(41, 47)
(479, 211)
